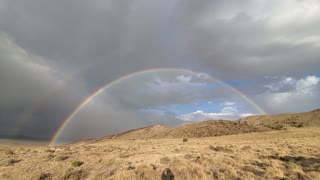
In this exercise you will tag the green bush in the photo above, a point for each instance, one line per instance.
(76, 163)
(185, 140)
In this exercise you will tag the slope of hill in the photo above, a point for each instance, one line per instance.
(151, 152)
(307, 119)
(286, 154)
(211, 128)
(143, 133)
(192, 130)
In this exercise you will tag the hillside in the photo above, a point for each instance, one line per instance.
(211, 128)
(285, 154)
(283, 146)
(192, 130)
(306, 119)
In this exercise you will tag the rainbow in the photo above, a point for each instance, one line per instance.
(101, 89)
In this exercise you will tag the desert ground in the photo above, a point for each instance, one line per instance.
(286, 151)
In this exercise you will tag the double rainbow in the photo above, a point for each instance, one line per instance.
(101, 89)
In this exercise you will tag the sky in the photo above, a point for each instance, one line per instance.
(155, 62)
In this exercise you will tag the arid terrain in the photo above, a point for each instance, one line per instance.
(282, 147)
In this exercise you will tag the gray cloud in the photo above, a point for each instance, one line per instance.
(128, 35)
(32, 91)
(141, 100)
(302, 95)
(83, 45)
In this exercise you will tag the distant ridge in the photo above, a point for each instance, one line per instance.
(257, 123)
(22, 137)
(311, 118)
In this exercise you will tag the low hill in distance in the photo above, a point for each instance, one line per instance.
(307, 119)
(259, 123)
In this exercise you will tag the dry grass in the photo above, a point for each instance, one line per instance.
(293, 153)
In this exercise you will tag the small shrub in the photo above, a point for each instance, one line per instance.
(76, 163)
(165, 160)
(61, 158)
(75, 174)
(184, 140)
(9, 152)
(154, 167)
(245, 148)
(130, 167)
(9, 162)
(50, 156)
(276, 126)
(49, 150)
(188, 156)
(221, 148)
(297, 124)
(44, 176)
(285, 178)
(125, 155)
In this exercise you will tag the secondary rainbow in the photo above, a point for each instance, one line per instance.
(100, 90)
(44, 99)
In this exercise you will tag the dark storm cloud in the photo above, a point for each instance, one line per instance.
(24, 78)
(44, 43)
(117, 37)
(104, 117)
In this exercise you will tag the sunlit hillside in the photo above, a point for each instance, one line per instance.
(288, 153)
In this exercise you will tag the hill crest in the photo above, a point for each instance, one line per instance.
(250, 124)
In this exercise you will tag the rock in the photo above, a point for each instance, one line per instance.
(167, 175)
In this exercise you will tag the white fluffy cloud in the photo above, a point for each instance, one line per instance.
(200, 115)
(246, 115)
(184, 79)
(228, 103)
(308, 84)
(229, 113)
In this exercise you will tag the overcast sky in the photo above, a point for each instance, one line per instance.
(54, 54)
